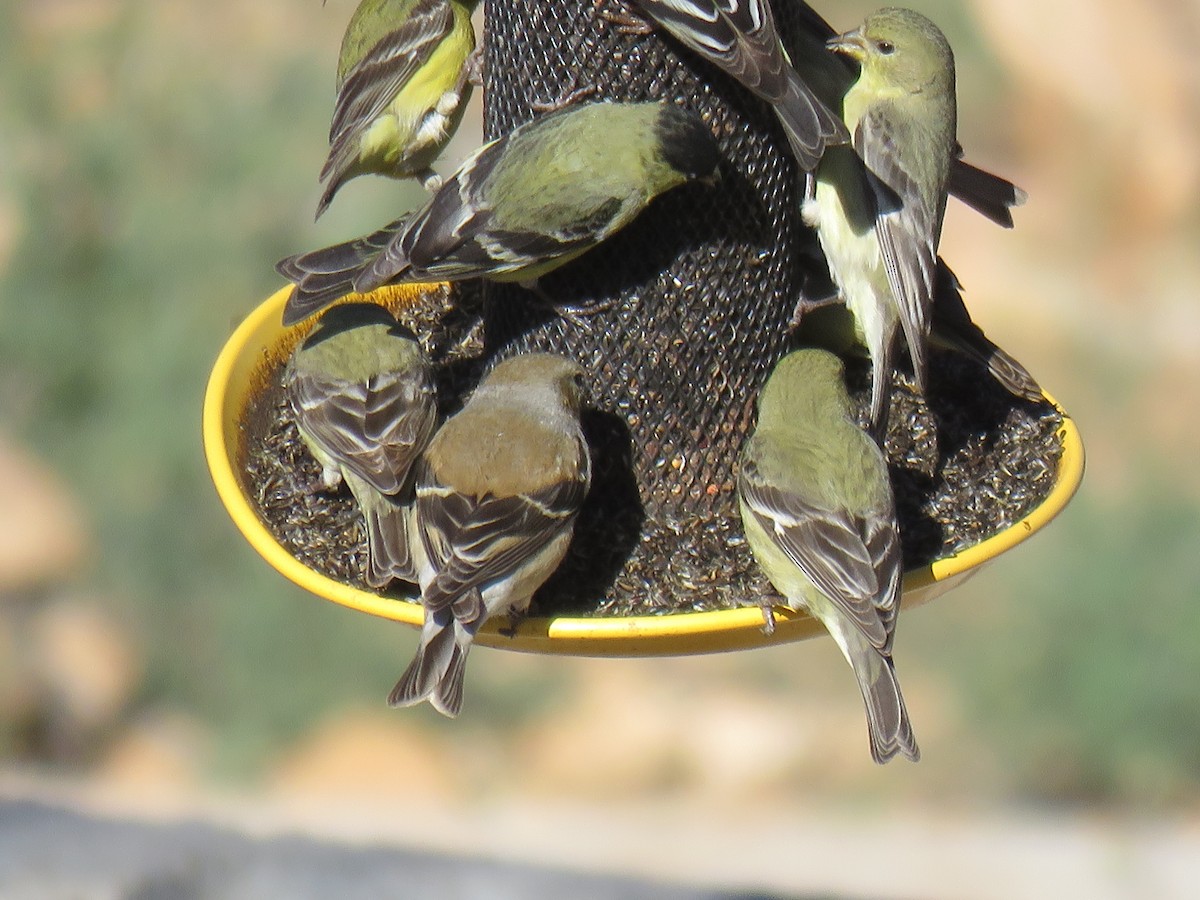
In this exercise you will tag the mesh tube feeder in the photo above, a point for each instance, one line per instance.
(697, 295)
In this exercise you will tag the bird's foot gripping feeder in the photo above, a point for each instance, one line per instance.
(696, 298)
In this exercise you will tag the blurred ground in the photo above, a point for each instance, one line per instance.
(91, 841)
(48, 851)
(155, 159)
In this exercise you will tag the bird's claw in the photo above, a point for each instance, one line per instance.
(797, 317)
(581, 314)
(623, 19)
(563, 100)
(509, 629)
(320, 486)
(768, 614)
(806, 304)
(473, 68)
(430, 180)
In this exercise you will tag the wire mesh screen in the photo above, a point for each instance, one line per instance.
(696, 293)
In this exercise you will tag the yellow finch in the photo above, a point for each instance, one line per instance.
(403, 83)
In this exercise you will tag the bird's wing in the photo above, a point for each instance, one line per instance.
(456, 235)
(739, 37)
(474, 541)
(376, 429)
(376, 79)
(445, 230)
(907, 222)
(325, 275)
(854, 561)
(509, 250)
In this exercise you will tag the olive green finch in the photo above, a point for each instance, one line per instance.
(820, 517)
(805, 89)
(878, 207)
(362, 395)
(522, 205)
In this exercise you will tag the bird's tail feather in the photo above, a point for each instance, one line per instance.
(1013, 376)
(954, 328)
(887, 717)
(1002, 365)
(389, 555)
(881, 385)
(987, 194)
(448, 697)
(436, 672)
(326, 275)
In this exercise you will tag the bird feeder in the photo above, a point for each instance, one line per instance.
(260, 346)
(696, 297)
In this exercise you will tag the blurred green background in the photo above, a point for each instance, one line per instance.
(157, 158)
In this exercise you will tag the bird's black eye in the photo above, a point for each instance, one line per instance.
(578, 379)
(887, 48)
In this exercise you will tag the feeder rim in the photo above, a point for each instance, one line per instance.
(669, 633)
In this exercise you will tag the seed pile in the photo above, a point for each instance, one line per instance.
(966, 462)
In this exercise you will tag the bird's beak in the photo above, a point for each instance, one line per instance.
(852, 43)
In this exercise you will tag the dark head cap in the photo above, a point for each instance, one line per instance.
(687, 144)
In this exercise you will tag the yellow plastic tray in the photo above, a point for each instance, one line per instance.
(262, 340)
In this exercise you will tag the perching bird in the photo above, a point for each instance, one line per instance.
(497, 495)
(403, 81)
(878, 207)
(819, 516)
(832, 77)
(362, 393)
(739, 37)
(522, 205)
